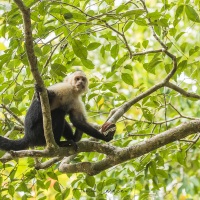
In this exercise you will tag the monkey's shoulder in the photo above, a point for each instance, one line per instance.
(60, 89)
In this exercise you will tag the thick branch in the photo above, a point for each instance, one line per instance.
(134, 151)
(114, 155)
(83, 146)
(34, 69)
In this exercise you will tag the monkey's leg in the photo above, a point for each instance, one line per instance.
(78, 135)
(68, 135)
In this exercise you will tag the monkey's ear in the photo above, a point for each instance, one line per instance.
(108, 129)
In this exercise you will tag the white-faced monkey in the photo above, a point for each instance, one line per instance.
(64, 99)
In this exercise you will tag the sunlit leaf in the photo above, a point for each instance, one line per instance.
(133, 12)
(79, 49)
(191, 14)
(87, 63)
(56, 186)
(127, 78)
(93, 46)
(90, 181)
(115, 51)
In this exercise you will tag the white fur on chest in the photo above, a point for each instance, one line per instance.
(66, 98)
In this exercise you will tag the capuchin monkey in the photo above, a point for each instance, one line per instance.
(64, 99)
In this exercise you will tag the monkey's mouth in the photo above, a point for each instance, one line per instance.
(80, 87)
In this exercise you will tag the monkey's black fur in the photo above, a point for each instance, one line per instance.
(34, 133)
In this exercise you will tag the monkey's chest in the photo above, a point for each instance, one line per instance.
(71, 104)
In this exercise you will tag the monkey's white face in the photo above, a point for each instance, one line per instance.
(79, 82)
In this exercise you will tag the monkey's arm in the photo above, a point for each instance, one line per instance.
(79, 121)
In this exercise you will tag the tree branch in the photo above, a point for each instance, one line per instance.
(114, 155)
(148, 52)
(134, 151)
(51, 144)
(181, 91)
(12, 114)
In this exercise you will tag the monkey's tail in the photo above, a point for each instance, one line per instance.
(15, 145)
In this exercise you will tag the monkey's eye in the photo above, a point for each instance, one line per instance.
(77, 79)
(83, 79)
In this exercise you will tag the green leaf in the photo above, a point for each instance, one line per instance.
(90, 192)
(76, 193)
(127, 78)
(179, 35)
(68, 16)
(122, 60)
(115, 51)
(194, 50)
(79, 50)
(102, 51)
(127, 26)
(152, 168)
(133, 12)
(3, 30)
(191, 14)
(93, 46)
(41, 8)
(38, 51)
(59, 69)
(46, 49)
(79, 17)
(145, 43)
(56, 186)
(90, 180)
(147, 114)
(162, 173)
(182, 65)
(181, 157)
(11, 190)
(100, 186)
(120, 8)
(87, 63)
(179, 10)
(150, 67)
(110, 181)
(52, 175)
(65, 193)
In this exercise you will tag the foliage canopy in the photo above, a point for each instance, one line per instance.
(127, 48)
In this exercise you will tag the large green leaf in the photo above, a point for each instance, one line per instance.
(115, 51)
(127, 78)
(79, 49)
(192, 14)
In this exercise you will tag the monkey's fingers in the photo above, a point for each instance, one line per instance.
(38, 88)
(108, 129)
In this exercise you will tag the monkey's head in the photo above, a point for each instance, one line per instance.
(78, 81)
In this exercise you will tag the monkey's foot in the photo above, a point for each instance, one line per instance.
(69, 143)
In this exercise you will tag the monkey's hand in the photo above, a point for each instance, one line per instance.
(108, 129)
(38, 88)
